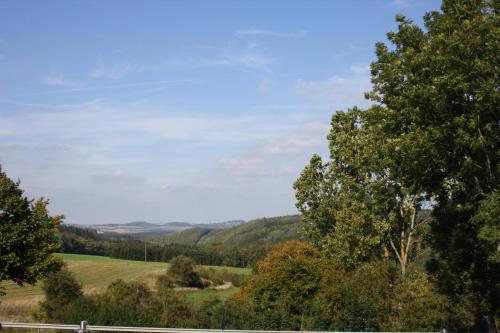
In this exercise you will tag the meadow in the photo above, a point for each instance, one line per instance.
(95, 273)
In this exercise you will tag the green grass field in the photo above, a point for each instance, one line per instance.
(95, 273)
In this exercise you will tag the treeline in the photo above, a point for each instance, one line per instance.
(217, 255)
(82, 241)
(88, 241)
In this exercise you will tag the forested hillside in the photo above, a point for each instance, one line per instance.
(87, 241)
(260, 231)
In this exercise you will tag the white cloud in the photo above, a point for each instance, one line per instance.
(58, 79)
(115, 71)
(341, 91)
(116, 157)
(243, 166)
(346, 52)
(255, 32)
(304, 138)
(277, 159)
(248, 58)
(117, 177)
(360, 69)
(265, 87)
(103, 126)
(401, 3)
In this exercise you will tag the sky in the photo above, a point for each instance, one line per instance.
(161, 111)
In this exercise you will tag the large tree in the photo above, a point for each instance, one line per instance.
(430, 139)
(442, 85)
(364, 202)
(27, 235)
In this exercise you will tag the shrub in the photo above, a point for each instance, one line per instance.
(182, 271)
(60, 288)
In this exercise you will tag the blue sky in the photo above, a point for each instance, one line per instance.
(199, 111)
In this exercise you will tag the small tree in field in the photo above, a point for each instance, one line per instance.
(182, 272)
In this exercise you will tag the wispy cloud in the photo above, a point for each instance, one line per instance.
(341, 91)
(346, 52)
(279, 157)
(360, 69)
(58, 79)
(117, 177)
(98, 124)
(117, 86)
(256, 32)
(305, 137)
(401, 3)
(265, 87)
(248, 58)
(115, 71)
(48, 106)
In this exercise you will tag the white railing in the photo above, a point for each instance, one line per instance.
(84, 328)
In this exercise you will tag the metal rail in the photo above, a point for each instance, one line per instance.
(84, 328)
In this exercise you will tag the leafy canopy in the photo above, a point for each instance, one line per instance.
(27, 235)
(431, 140)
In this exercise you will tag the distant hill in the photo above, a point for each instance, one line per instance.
(259, 231)
(143, 228)
(139, 224)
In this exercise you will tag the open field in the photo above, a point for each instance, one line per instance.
(95, 273)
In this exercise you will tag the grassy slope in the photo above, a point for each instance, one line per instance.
(95, 273)
(264, 230)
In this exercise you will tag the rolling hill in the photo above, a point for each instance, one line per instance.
(264, 230)
(143, 228)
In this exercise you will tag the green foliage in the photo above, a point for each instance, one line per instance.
(60, 288)
(487, 220)
(173, 310)
(284, 287)
(27, 235)
(82, 241)
(182, 272)
(362, 204)
(415, 302)
(440, 87)
(190, 236)
(127, 304)
(432, 137)
(296, 287)
(219, 277)
(260, 231)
